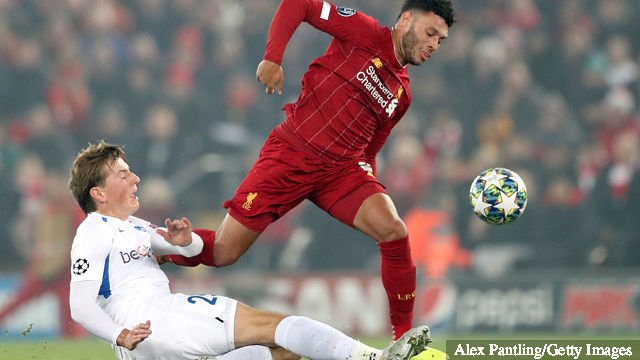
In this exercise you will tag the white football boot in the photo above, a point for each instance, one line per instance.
(412, 343)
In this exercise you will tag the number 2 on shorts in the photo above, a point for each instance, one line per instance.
(192, 299)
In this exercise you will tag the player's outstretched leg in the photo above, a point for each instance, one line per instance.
(412, 343)
(315, 340)
(398, 273)
(298, 334)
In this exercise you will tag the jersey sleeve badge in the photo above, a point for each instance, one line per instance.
(80, 266)
(345, 11)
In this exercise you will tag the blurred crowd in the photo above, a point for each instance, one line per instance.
(549, 89)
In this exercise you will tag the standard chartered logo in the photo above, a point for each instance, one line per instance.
(378, 90)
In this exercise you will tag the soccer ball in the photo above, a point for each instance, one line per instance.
(431, 354)
(498, 196)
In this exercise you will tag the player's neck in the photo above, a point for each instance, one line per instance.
(112, 213)
(396, 38)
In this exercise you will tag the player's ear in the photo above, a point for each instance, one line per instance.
(97, 194)
(404, 20)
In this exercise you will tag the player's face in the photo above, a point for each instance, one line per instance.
(117, 197)
(425, 32)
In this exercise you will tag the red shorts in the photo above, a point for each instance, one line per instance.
(283, 176)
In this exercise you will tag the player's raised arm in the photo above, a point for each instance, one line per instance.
(341, 23)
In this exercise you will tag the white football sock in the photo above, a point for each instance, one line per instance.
(256, 352)
(318, 341)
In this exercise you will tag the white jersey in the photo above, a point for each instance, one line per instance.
(120, 255)
(117, 253)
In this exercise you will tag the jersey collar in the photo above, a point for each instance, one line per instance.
(110, 220)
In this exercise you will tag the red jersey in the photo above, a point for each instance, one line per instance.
(353, 94)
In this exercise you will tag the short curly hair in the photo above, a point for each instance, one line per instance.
(442, 8)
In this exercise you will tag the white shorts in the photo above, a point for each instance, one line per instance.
(184, 327)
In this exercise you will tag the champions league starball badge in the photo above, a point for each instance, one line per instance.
(345, 11)
(81, 266)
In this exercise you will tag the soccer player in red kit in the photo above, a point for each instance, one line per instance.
(325, 149)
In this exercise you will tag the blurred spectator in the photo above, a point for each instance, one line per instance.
(615, 116)
(9, 199)
(476, 79)
(560, 208)
(139, 90)
(556, 123)
(435, 243)
(612, 207)
(111, 123)
(566, 68)
(230, 130)
(46, 227)
(622, 69)
(616, 17)
(23, 69)
(161, 148)
(155, 17)
(50, 142)
(104, 62)
(30, 182)
(519, 97)
(68, 95)
(406, 173)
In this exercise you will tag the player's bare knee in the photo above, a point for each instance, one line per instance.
(264, 326)
(254, 326)
(392, 230)
(226, 258)
(225, 255)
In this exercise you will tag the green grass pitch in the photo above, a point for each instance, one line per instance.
(91, 349)
(56, 349)
(95, 349)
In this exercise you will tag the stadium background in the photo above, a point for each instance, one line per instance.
(547, 88)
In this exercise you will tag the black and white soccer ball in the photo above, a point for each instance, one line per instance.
(498, 196)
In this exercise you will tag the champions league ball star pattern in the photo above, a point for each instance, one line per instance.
(498, 196)
(80, 266)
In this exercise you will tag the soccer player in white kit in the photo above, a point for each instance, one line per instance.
(120, 294)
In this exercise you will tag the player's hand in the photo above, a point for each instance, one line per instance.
(131, 338)
(178, 232)
(271, 76)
